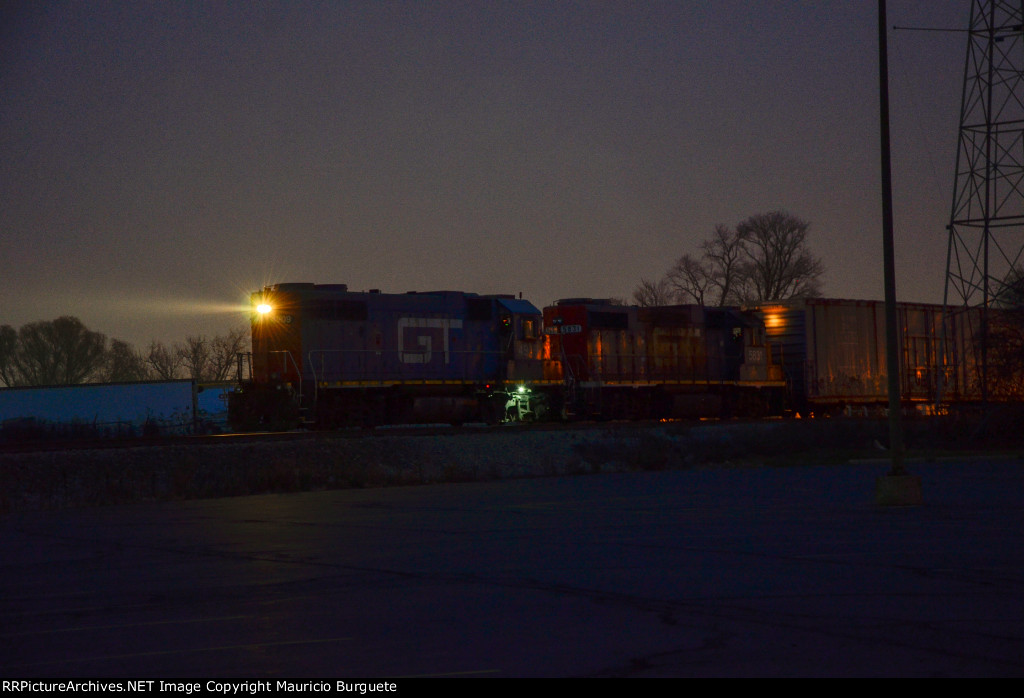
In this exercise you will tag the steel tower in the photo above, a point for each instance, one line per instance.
(986, 227)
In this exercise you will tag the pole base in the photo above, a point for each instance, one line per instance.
(898, 491)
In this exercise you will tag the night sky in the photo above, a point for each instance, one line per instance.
(160, 160)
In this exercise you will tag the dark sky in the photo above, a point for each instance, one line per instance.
(162, 159)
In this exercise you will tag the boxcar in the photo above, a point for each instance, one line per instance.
(340, 357)
(670, 361)
(833, 353)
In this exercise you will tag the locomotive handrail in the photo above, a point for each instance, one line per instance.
(396, 365)
(295, 365)
(650, 368)
(413, 365)
(287, 356)
(243, 358)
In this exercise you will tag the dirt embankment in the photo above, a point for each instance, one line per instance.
(48, 480)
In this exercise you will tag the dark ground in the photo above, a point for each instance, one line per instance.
(726, 571)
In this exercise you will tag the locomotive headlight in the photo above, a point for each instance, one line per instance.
(263, 308)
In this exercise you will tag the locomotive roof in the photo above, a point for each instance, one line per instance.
(517, 305)
(800, 303)
(312, 292)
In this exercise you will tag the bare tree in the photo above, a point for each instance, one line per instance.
(725, 256)
(1006, 338)
(1011, 290)
(778, 263)
(124, 363)
(223, 352)
(199, 357)
(57, 352)
(690, 279)
(8, 349)
(195, 357)
(765, 258)
(650, 293)
(164, 363)
(1006, 354)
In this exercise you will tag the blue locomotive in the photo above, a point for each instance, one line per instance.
(326, 356)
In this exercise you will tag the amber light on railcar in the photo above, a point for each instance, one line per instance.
(774, 319)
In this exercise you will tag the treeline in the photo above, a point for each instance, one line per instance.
(765, 257)
(64, 351)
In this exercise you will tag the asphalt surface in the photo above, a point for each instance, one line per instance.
(726, 572)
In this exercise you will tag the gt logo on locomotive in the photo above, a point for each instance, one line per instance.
(416, 337)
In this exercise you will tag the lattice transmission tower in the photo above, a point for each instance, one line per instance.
(986, 227)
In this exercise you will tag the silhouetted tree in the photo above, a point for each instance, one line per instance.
(777, 262)
(8, 348)
(1011, 290)
(124, 364)
(650, 293)
(56, 352)
(690, 280)
(64, 351)
(164, 363)
(223, 352)
(765, 258)
(725, 257)
(195, 357)
(199, 357)
(1006, 338)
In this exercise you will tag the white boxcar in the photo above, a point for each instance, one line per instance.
(833, 352)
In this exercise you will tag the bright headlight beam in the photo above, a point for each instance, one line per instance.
(263, 308)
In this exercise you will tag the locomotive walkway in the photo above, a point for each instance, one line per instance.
(717, 572)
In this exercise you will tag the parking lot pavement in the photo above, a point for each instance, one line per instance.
(714, 572)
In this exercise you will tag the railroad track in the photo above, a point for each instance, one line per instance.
(57, 445)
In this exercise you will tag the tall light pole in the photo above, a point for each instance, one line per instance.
(897, 488)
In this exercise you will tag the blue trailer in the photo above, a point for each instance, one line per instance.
(99, 409)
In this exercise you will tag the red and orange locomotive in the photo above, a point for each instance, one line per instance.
(625, 362)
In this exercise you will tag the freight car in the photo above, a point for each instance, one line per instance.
(326, 356)
(833, 352)
(617, 361)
